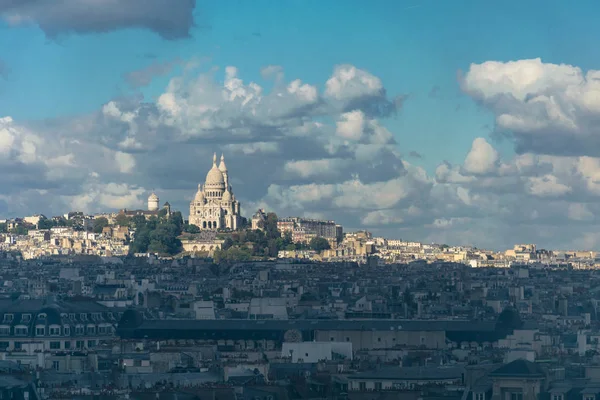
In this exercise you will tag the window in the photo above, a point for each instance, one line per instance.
(83, 316)
(379, 339)
(92, 343)
(91, 330)
(479, 396)
(40, 331)
(56, 365)
(4, 345)
(8, 318)
(557, 397)
(362, 386)
(347, 339)
(378, 386)
(67, 330)
(516, 396)
(72, 316)
(5, 330)
(589, 397)
(54, 331)
(332, 339)
(18, 345)
(20, 330)
(67, 345)
(25, 318)
(80, 344)
(55, 345)
(79, 330)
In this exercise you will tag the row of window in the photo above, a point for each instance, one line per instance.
(79, 344)
(55, 331)
(25, 318)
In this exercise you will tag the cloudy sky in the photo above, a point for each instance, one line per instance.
(460, 122)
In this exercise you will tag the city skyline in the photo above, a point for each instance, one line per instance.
(433, 122)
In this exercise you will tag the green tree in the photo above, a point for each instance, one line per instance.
(20, 230)
(227, 243)
(319, 244)
(232, 254)
(164, 239)
(141, 241)
(122, 220)
(177, 219)
(46, 223)
(3, 228)
(191, 228)
(271, 230)
(99, 224)
(138, 221)
(61, 221)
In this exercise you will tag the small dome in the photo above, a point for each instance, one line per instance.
(153, 197)
(199, 196)
(226, 196)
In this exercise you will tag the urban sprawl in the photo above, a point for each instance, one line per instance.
(152, 304)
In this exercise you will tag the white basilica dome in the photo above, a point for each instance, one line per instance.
(215, 178)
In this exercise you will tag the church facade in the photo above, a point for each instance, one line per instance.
(214, 206)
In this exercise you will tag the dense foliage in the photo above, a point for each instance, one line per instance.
(99, 224)
(155, 235)
(319, 244)
(262, 243)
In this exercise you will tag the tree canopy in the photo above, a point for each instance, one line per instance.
(265, 242)
(123, 220)
(157, 235)
(99, 224)
(319, 244)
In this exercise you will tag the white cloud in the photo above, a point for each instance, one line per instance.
(482, 158)
(349, 82)
(382, 217)
(579, 212)
(550, 108)
(125, 162)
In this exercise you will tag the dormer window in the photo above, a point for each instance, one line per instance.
(72, 316)
(478, 396)
(83, 316)
(42, 315)
(40, 331)
(557, 396)
(8, 318)
(25, 318)
(589, 397)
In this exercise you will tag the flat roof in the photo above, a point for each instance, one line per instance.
(318, 325)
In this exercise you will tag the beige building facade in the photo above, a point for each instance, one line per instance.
(214, 206)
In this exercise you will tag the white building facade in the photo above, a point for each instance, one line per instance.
(214, 206)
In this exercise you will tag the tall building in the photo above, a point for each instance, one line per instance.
(214, 206)
(153, 202)
(304, 229)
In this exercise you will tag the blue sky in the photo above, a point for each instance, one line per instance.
(59, 70)
(414, 46)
